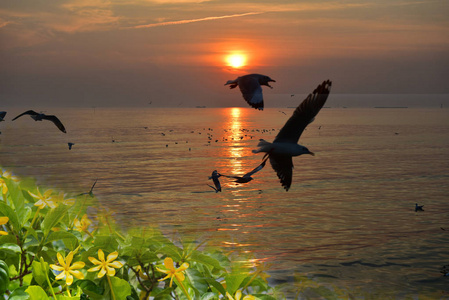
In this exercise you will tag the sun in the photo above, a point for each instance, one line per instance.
(236, 60)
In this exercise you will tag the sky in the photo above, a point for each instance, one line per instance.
(137, 53)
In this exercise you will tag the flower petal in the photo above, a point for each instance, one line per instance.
(163, 271)
(112, 256)
(101, 273)
(116, 264)
(77, 274)
(69, 258)
(111, 271)
(101, 255)
(94, 260)
(60, 259)
(3, 232)
(168, 263)
(56, 267)
(60, 276)
(69, 279)
(77, 265)
(180, 277)
(183, 267)
(94, 269)
(3, 220)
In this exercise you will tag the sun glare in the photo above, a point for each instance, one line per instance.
(236, 60)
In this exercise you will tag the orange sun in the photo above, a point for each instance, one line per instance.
(236, 60)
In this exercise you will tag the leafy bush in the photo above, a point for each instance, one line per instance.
(51, 249)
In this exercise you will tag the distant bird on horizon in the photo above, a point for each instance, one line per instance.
(247, 177)
(215, 175)
(250, 86)
(40, 116)
(2, 115)
(285, 145)
(418, 207)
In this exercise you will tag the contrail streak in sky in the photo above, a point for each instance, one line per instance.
(196, 20)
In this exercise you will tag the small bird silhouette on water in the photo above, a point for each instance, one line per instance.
(70, 145)
(2, 115)
(247, 177)
(250, 86)
(91, 192)
(285, 145)
(215, 175)
(418, 207)
(40, 116)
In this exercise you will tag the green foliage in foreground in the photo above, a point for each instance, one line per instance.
(51, 249)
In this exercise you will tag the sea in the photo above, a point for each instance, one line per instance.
(347, 223)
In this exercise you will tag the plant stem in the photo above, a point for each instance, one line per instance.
(184, 289)
(110, 286)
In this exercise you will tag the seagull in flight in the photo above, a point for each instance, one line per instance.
(40, 116)
(2, 115)
(250, 86)
(247, 177)
(285, 145)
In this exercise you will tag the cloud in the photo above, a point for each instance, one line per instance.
(195, 20)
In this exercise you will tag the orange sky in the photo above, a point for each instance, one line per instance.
(94, 53)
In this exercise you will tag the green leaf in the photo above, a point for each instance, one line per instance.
(40, 272)
(10, 248)
(11, 214)
(120, 287)
(88, 286)
(197, 280)
(201, 258)
(216, 285)
(36, 293)
(70, 240)
(53, 218)
(209, 296)
(233, 282)
(171, 251)
(19, 294)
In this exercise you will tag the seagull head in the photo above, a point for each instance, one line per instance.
(264, 80)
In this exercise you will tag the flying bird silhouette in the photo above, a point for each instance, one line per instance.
(285, 145)
(247, 177)
(250, 86)
(418, 207)
(70, 145)
(2, 115)
(40, 116)
(215, 175)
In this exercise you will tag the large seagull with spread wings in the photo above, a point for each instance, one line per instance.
(285, 145)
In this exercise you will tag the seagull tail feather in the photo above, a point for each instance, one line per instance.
(264, 146)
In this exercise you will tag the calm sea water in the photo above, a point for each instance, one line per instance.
(348, 220)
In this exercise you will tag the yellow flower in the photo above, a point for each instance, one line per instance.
(83, 224)
(3, 221)
(172, 272)
(238, 296)
(60, 199)
(105, 266)
(8, 175)
(68, 270)
(44, 200)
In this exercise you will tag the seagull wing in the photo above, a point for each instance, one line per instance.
(283, 166)
(56, 121)
(28, 112)
(2, 114)
(257, 169)
(251, 91)
(304, 114)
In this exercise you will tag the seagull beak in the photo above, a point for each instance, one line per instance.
(311, 153)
